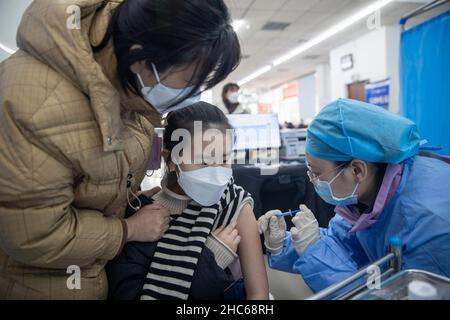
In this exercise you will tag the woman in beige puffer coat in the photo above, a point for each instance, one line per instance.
(76, 132)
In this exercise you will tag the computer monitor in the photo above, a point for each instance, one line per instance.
(293, 142)
(255, 131)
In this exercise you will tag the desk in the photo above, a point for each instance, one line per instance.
(284, 190)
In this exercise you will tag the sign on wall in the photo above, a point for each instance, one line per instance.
(377, 93)
(347, 62)
(264, 108)
(290, 90)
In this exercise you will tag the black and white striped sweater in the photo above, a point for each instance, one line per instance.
(174, 263)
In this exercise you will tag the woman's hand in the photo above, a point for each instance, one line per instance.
(229, 235)
(306, 231)
(148, 224)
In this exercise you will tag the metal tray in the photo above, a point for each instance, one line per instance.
(396, 287)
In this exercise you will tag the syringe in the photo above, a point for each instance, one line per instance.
(287, 213)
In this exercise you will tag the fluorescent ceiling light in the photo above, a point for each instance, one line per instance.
(255, 74)
(332, 31)
(239, 24)
(323, 36)
(7, 49)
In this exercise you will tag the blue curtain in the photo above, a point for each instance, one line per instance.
(425, 79)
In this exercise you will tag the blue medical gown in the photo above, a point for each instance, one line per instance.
(419, 213)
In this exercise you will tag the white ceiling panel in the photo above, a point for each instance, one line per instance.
(299, 5)
(330, 6)
(307, 18)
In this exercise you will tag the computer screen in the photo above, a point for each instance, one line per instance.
(255, 131)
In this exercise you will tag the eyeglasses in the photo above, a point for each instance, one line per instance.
(312, 177)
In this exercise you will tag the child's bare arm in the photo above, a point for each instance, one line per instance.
(251, 256)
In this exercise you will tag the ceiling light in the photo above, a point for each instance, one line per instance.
(240, 24)
(332, 31)
(321, 37)
(7, 49)
(255, 74)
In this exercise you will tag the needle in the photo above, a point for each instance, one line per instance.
(287, 213)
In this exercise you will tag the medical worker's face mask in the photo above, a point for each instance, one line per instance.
(161, 96)
(205, 185)
(233, 97)
(324, 190)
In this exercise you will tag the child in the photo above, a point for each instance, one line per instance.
(208, 211)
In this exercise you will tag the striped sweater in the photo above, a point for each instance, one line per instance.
(174, 263)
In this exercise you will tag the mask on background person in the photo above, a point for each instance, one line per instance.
(323, 189)
(161, 96)
(205, 185)
(233, 97)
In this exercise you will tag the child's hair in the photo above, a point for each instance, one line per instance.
(211, 117)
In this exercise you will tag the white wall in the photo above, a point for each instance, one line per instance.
(375, 57)
(323, 86)
(307, 97)
(393, 65)
(287, 109)
(10, 15)
(207, 96)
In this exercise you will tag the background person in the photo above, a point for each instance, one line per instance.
(230, 99)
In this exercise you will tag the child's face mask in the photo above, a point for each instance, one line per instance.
(205, 185)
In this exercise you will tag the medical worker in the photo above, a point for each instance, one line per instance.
(366, 161)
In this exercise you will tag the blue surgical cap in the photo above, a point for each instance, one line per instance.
(349, 129)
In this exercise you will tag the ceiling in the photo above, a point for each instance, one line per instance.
(307, 18)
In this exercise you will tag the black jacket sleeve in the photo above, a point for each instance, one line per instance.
(126, 272)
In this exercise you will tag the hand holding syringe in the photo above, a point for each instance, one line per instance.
(263, 221)
(287, 213)
(305, 232)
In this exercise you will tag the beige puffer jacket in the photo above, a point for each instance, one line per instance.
(69, 139)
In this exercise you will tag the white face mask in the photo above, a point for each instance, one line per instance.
(161, 97)
(206, 185)
(323, 189)
(233, 97)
